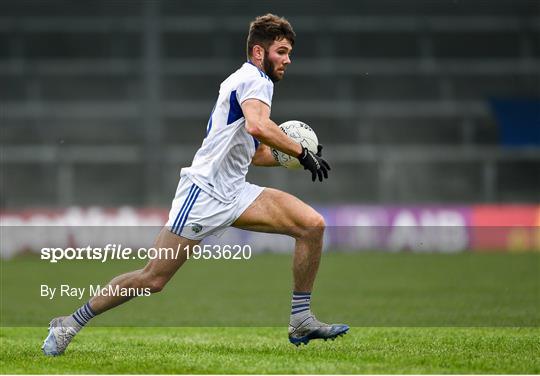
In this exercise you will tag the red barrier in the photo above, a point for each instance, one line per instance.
(513, 228)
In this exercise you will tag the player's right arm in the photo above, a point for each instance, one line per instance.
(260, 126)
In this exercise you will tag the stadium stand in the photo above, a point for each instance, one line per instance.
(103, 102)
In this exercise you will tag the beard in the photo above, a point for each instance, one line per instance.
(269, 68)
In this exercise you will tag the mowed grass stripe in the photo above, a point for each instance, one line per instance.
(359, 289)
(266, 350)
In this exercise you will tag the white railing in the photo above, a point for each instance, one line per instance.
(384, 159)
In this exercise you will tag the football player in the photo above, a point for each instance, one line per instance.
(213, 193)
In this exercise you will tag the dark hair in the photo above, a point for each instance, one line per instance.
(264, 30)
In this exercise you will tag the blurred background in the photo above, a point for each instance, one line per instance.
(103, 102)
(429, 111)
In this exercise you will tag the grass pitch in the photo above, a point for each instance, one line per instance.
(266, 350)
(410, 313)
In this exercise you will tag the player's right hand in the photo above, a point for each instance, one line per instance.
(314, 163)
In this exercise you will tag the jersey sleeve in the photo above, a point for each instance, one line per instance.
(256, 88)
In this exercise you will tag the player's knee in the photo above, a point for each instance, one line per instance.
(313, 226)
(317, 222)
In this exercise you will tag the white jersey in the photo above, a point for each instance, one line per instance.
(220, 165)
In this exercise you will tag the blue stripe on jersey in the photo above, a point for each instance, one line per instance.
(209, 125)
(187, 213)
(256, 142)
(186, 210)
(260, 71)
(183, 207)
(235, 111)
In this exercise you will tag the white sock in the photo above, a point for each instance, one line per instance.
(300, 308)
(80, 317)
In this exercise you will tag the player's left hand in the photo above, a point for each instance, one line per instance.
(314, 163)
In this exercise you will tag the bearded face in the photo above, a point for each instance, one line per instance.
(276, 59)
(270, 68)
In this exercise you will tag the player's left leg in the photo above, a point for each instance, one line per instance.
(154, 276)
(278, 212)
(275, 211)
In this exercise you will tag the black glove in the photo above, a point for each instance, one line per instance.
(314, 163)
